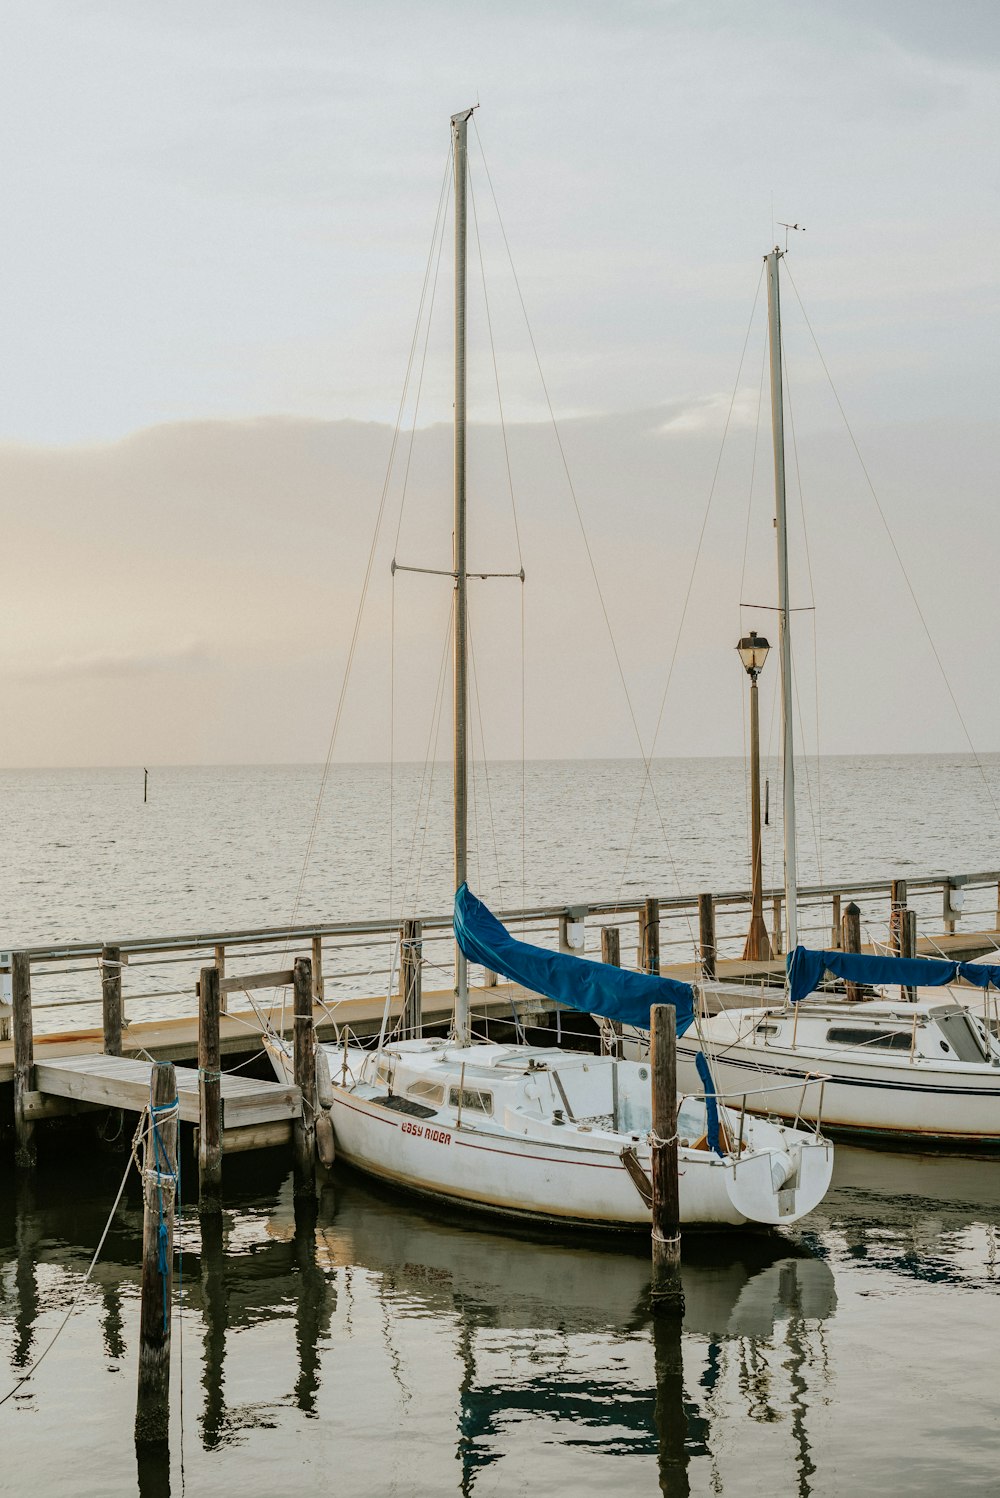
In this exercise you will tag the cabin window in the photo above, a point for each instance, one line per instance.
(766, 1029)
(961, 1037)
(433, 1092)
(875, 1040)
(471, 1098)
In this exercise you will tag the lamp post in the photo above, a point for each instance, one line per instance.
(753, 650)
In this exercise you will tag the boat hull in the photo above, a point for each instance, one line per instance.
(504, 1175)
(879, 1103)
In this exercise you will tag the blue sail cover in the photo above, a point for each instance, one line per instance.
(711, 1104)
(806, 970)
(593, 987)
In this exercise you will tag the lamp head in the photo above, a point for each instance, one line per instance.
(753, 650)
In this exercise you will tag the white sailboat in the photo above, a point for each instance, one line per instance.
(546, 1135)
(924, 1072)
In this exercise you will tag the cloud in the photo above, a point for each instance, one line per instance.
(708, 413)
(129, 663)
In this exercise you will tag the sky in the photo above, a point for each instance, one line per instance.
(215, 229)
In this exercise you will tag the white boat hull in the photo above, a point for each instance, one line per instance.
(537, 1169)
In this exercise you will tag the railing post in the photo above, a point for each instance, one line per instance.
(666, 1291)
(159, 1189)
(908, 946)
(649, 937)
(111, 999)
(210, 1121)
(611, 953)
(850, 937)
(410, 978)
(319, 985)
(897, 907)
(25, 1153)
(220, 964)
(706, 936)
(305, 1080)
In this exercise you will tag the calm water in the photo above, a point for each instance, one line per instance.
(380, 1349)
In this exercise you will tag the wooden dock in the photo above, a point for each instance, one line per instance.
(99, 1081)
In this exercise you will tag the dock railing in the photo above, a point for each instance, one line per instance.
(105, 984)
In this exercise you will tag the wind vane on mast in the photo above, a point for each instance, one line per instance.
(800, 227)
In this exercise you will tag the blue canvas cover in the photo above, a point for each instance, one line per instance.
(593, 987)
(806, 970)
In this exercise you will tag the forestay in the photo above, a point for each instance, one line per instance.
(593, 987)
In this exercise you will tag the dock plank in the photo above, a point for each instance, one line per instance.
(123, 1082)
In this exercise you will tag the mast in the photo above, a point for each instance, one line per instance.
(784, 611)
(459, 129)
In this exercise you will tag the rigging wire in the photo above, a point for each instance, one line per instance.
(896, 552)
(369, 567)
(687, 595)
(576, 506)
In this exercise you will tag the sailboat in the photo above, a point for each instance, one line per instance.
(543, 1134)
(913, 1071)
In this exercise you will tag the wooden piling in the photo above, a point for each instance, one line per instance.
(111, 999)
(706, 936)
(410, 978)
(209, 1095)
(835, 928)
(666, 1292)
(777, 946)
(25, 1154)
(850, 941)
(304, 1133)
(159, 1191)
(649, 937)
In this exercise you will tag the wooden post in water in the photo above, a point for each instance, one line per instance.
(159, 1193)
(209, 1095)
(706, 936)
(897, 907)
(777, 946)
(410, 978)
(850, 941)
(25, 1153)
(649, 937)
(611, 953)
(304, 1133)
(835, 928)
(319, 987)
(666, 1292)
(111, 999)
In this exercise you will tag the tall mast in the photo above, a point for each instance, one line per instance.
(459, 130)
(784, 611)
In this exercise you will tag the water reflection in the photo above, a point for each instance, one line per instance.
(512, 1346)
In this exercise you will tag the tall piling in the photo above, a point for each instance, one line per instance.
(850, 941)
(666, 1292)
(209, 1094)
(159, 1197)
(25, 1153)
(706, 936)
(305, 1079)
